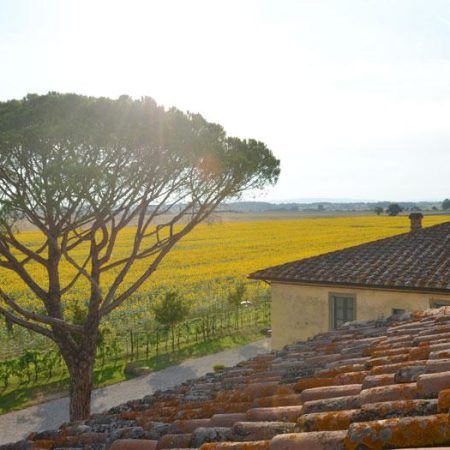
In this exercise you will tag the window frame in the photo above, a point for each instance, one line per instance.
(436, 301)
(332, 307)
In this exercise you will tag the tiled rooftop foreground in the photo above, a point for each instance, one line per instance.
(381, 384)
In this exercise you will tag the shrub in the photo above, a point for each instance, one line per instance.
(218, 368)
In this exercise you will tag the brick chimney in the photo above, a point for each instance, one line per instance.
(416, 221)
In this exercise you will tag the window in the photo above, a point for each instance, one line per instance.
(342, 309)
(397, 311)
(439, 303)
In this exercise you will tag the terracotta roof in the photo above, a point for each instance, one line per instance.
(381, 384)
(417, 260)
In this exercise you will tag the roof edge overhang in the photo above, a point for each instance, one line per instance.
(354, 285)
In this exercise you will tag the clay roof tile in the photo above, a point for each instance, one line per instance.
(321, 403)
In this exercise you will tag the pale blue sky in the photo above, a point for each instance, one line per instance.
(353, 96)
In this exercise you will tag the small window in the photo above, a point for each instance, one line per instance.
(398, 311)
(342, 309)
(439, 303)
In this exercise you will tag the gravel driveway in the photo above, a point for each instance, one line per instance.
(16, 425)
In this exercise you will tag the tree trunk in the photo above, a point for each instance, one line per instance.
(131, 345)
(173, 338)
(81, 371)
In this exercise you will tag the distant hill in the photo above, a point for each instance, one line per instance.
(248, 206)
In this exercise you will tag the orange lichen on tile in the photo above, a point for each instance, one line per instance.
(227, 420)
(323, 359)
(260, 431)
(134, 444)
(405, 391)
(171, 402)
(391, 368)
(308, 383)
(444, 401)
(152, 412)
(327, 421)
(83, 439)
(442, 346)
(233, 396)
(431, 384)
(330, 392)
(399, 408)
(420, 353)
(398, 433)
(278, 400)
(384, 360)
(282, 413)
(438, 365)
(266, 389)
(335, 371)
(378, 380)
(187, 426)
(332, 404)
(351, 377)
(440, 354)
(255, 445)
(44, 444)
(321, 440)
(174, 441)
(390, 352)
(330, 348)
(432, 338)
(262, 378)
(131, 415)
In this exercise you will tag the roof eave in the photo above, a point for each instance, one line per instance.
(352, 285)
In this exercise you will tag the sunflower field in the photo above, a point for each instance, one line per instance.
(206, 264)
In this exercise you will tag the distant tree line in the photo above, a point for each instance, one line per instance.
(322, 206)
(394, 209)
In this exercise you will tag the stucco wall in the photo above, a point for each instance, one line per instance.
(299, 312)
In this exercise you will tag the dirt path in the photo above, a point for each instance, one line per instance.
(16, 425)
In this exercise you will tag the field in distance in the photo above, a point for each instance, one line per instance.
(205, 263)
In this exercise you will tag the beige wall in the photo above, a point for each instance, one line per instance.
(301, 311)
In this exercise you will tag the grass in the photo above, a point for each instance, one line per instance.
(24, 396)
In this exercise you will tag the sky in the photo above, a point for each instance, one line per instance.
(353, 96)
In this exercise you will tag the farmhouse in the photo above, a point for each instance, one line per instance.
(371, 281)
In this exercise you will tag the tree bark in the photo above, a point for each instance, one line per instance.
(79, 353)
(81, 372)
(173, 338)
